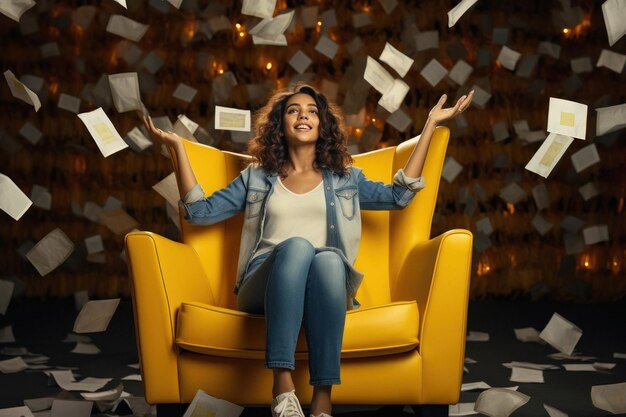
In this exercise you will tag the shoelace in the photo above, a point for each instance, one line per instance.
(289, 407)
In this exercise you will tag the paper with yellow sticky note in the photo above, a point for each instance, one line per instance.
(204, 405)
(19, 90)
(567, 118)
(103, 132)
(228, 118)
(548, 154)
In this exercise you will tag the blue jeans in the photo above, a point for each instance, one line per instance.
(292, 285)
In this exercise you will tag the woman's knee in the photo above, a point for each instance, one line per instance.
(329, 263)
(297, 246)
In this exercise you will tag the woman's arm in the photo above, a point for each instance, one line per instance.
(438, 114)
(185, 177)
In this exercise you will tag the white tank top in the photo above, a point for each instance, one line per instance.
(289, 214)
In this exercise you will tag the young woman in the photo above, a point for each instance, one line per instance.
(301, 200)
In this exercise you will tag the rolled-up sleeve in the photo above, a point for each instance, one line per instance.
(413, 184)
(195, 194)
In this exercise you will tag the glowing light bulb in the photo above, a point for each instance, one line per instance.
(319, 23)
(268, 66)
(565, 31)
(221, 71)
(242, 34)
(238, 26)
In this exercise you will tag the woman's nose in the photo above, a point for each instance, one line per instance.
(303, 116)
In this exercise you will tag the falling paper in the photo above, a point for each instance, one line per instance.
(530, 365)
(451, 169)
(396, 59)
(611, 398)
(508, 58)
(19, 90)
(30, 133)
(461, 409)
(611, 60)
(12, 200)
(459, 10)
(567, 118)
(126, 28)
(300, 61)
(549, 154)
(118, 221)
(470, 386)
(427, 40)
(85, 349)
(22, 411)
(326, 46)
(50, 252)
(585, 157)
(259, 8)
(614, 12)
(460, 72)
(474, 336)
(69, 103)
(541, 225)
(11, 366)
(589, 191)
(204, 405)
(125, 91)
(103, 132)
(168, 189)
(500, 402)
(553, 412)
(392, 99)
(595, 234)
(377, 76)
(434, 72)
(138, 138)
(272, 28)
(95, 316)
(610, 119)
(184, 92)
(512, 193)
(14, 9)
(526, 375)
(227, 118)
(561, 334)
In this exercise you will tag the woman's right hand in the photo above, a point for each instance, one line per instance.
(166, 138)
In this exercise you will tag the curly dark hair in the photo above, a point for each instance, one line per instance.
(269, 148)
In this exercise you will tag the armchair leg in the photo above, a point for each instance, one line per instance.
(171, 410)
(431, 410)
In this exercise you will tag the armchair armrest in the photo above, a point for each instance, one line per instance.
(163, 273)
(436, 273)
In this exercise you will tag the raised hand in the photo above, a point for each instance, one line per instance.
(438, 114)
(166, 138)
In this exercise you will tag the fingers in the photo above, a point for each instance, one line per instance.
(442, 100)
(466, 101)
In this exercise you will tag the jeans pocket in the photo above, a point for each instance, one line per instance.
(346, 198)
(254, 202)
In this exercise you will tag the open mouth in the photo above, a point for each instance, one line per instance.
(302, 127)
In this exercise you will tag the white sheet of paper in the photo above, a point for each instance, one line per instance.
(300, 61)
(459, 10)
(326, 46)
(470, 386)
(589, 190)
(553, 412)
(549, 154)
(396, 59)
(103, 132)
(122, 2)
(125, 91)
(280, 40)
(137, 137)
(500, 402)
(377, 76)
(484, 225)
(512, 193)
(611, 60)
(481, 97)
(427, 40)
(12, 200)
(80, 298)
(530, 365)
(610, 119)
(168, 189)
(65, 379)
(388, 5)
(14, 9)
(611, 398)
(541, 196)
(108, 395)
(541, 225)
(126, 28)
(399, 120)
(30, 133)
(204, 405)
(460, 72)
(392, 99)
(21, 91)
(434, 72)
(361, 19)
(69, 103)
(567, 118)
(451, 169)
(614, 12)
(274, 27)
(619, 355)
(13, 365)
(508, 58)
(50, 252)
(184, 92)
(132, 377)
(228, 118)
(117, 221)
(500, 131)
(474, 336)
(95, 316)
(308, 16)
(6, 293)
(549, 48)
(94, 244)
(561, 334)
(596, 234)
(461, 409)
(259, 8)
(581, 367)
(527, 375)
(585, 157)
(22, 411)
(71, 408)
(85, 349)
(581, 65)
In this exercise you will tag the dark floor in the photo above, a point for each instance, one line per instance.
(41, 325)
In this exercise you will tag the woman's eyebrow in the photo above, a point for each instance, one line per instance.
(299, 105)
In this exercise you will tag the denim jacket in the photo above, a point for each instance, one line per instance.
(346, 195)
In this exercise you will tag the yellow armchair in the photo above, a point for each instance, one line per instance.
(404, 345)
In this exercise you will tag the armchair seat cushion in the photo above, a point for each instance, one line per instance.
(369, 331)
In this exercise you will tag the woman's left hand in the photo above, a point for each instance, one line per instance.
(438, 114)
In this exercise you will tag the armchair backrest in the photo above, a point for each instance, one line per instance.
(386, 236)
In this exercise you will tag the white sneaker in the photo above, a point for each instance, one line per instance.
(287, 405)
(321, 415)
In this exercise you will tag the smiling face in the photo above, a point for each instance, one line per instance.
(301, 120)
